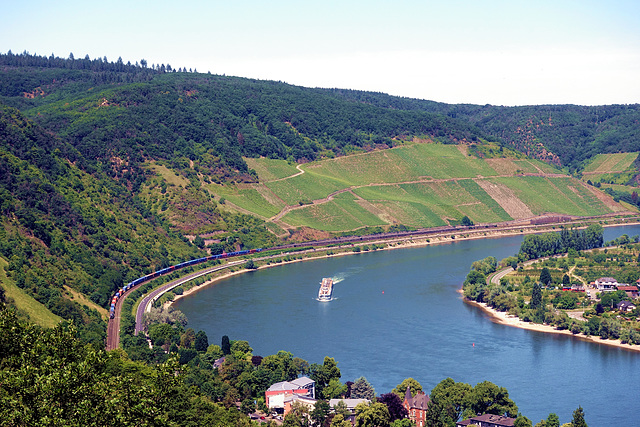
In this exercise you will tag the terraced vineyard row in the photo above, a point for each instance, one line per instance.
(418, 185)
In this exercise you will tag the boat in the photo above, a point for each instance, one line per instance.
(326, 289)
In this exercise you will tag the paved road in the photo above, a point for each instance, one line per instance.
(148, 299)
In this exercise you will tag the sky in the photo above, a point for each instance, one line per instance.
(455, 51)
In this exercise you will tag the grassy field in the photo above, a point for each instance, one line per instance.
(448, 200)
(615, 162)
(418, 185)
(559, 195)
(251, 200)
(342, 213)
(26, 304)
(305, 188)
(271, 169)
(402, 164)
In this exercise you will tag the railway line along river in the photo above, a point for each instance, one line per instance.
(397, 314)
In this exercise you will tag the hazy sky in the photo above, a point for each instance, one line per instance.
(457, 51)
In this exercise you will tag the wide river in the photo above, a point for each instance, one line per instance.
(397, 314)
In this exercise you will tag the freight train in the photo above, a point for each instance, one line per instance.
(158, 273)
(325, 242)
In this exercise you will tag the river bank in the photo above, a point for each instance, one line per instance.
(504, 318)
(418, 241)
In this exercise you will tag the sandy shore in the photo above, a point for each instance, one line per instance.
(506, 319)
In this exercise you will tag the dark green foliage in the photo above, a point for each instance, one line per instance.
(547, 244)
(610, 300)
(578, 418)
(571, 132)
(323, 374)
(49, 377)
(394, 404)
(202, 342)
(466, 221)
(225, 345)
(545, 276)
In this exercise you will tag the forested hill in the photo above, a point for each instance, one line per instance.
(565, 135)
(121, 115)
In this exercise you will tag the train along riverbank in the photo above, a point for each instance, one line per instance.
(346, 246)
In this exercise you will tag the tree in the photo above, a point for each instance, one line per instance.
(334, 389)
(247, 406)
(226, 345)
(401, 388)
(202, 342)
(340, 421)
(375, 414)
(323, 374)
(447, 403)
(361, 389)
(545, 276)
(320, 412)
(188, 338)
(553, 420)
(396, 410)
(578, 418)
(488, 398)
(522, 421)
(466, 221)
(536, 297)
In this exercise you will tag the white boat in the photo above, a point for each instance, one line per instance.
(326, 289)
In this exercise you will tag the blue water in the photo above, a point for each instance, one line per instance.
(397, 314)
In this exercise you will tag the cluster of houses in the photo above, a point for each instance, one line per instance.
(282, 395)
(609, 284)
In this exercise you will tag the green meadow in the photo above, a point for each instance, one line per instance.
(614, 162)
(25, 304)
(417, 185)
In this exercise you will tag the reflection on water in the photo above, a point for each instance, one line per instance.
(397, 314)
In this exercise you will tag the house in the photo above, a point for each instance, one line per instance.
(416, 406)
(626, 306)
(631, 290)
(351, 406)
(289, 400)
(487, 420)
(606, 284)
(276, 394)
(218, 362)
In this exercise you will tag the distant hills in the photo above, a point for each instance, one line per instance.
(111, 170)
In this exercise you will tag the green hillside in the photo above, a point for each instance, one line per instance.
(109, 171)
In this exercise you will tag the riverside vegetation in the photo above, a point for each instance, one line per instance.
(540, 292)
(51, 377)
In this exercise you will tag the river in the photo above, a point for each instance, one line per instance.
(397, 314)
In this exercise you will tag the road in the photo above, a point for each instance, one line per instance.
(148, 299)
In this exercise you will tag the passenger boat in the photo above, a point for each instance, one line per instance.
(326, 289)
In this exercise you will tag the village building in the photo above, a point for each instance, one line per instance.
(278, 393)
(351, 406)
(289, 400)
(626, 306)
(487, 420)
(416, 406)
(630, 290)
(606, 284)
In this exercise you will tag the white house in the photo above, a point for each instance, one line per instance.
(606, 284)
